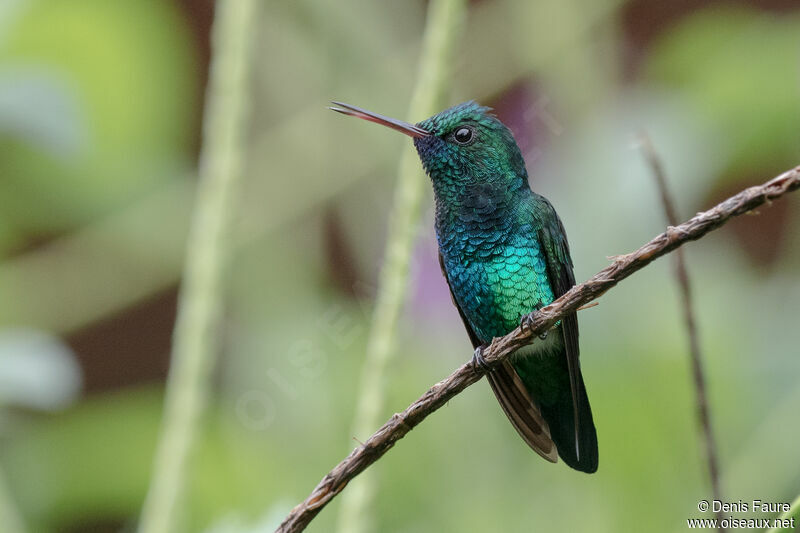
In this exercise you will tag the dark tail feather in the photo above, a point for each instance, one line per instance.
(521, 410)
(561, 420)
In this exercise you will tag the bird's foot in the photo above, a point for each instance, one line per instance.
(526, 322)
(478, 360)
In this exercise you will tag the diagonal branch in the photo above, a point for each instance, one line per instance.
(500, 348)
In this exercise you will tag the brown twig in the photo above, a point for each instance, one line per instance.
(500, 348)
(698, 374)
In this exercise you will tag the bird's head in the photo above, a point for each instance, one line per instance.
(461, 146)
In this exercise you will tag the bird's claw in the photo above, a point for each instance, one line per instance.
(479, 361)
(526, 322)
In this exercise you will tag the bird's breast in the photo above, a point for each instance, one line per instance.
(496, 281)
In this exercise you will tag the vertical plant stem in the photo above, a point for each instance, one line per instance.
(195, 340)
(444, 20)
(682, 276)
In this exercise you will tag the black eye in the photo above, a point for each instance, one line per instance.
(463, 135)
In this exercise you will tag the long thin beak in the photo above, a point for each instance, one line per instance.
(403, 127)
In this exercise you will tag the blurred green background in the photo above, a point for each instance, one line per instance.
(100, 115)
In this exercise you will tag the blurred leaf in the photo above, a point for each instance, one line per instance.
(37, 370)
(36, 107)
(739, 68)
(120, 77)
(90, 462)
(93, 463)
(102, 268)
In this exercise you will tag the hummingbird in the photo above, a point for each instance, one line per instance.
(503, 251)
